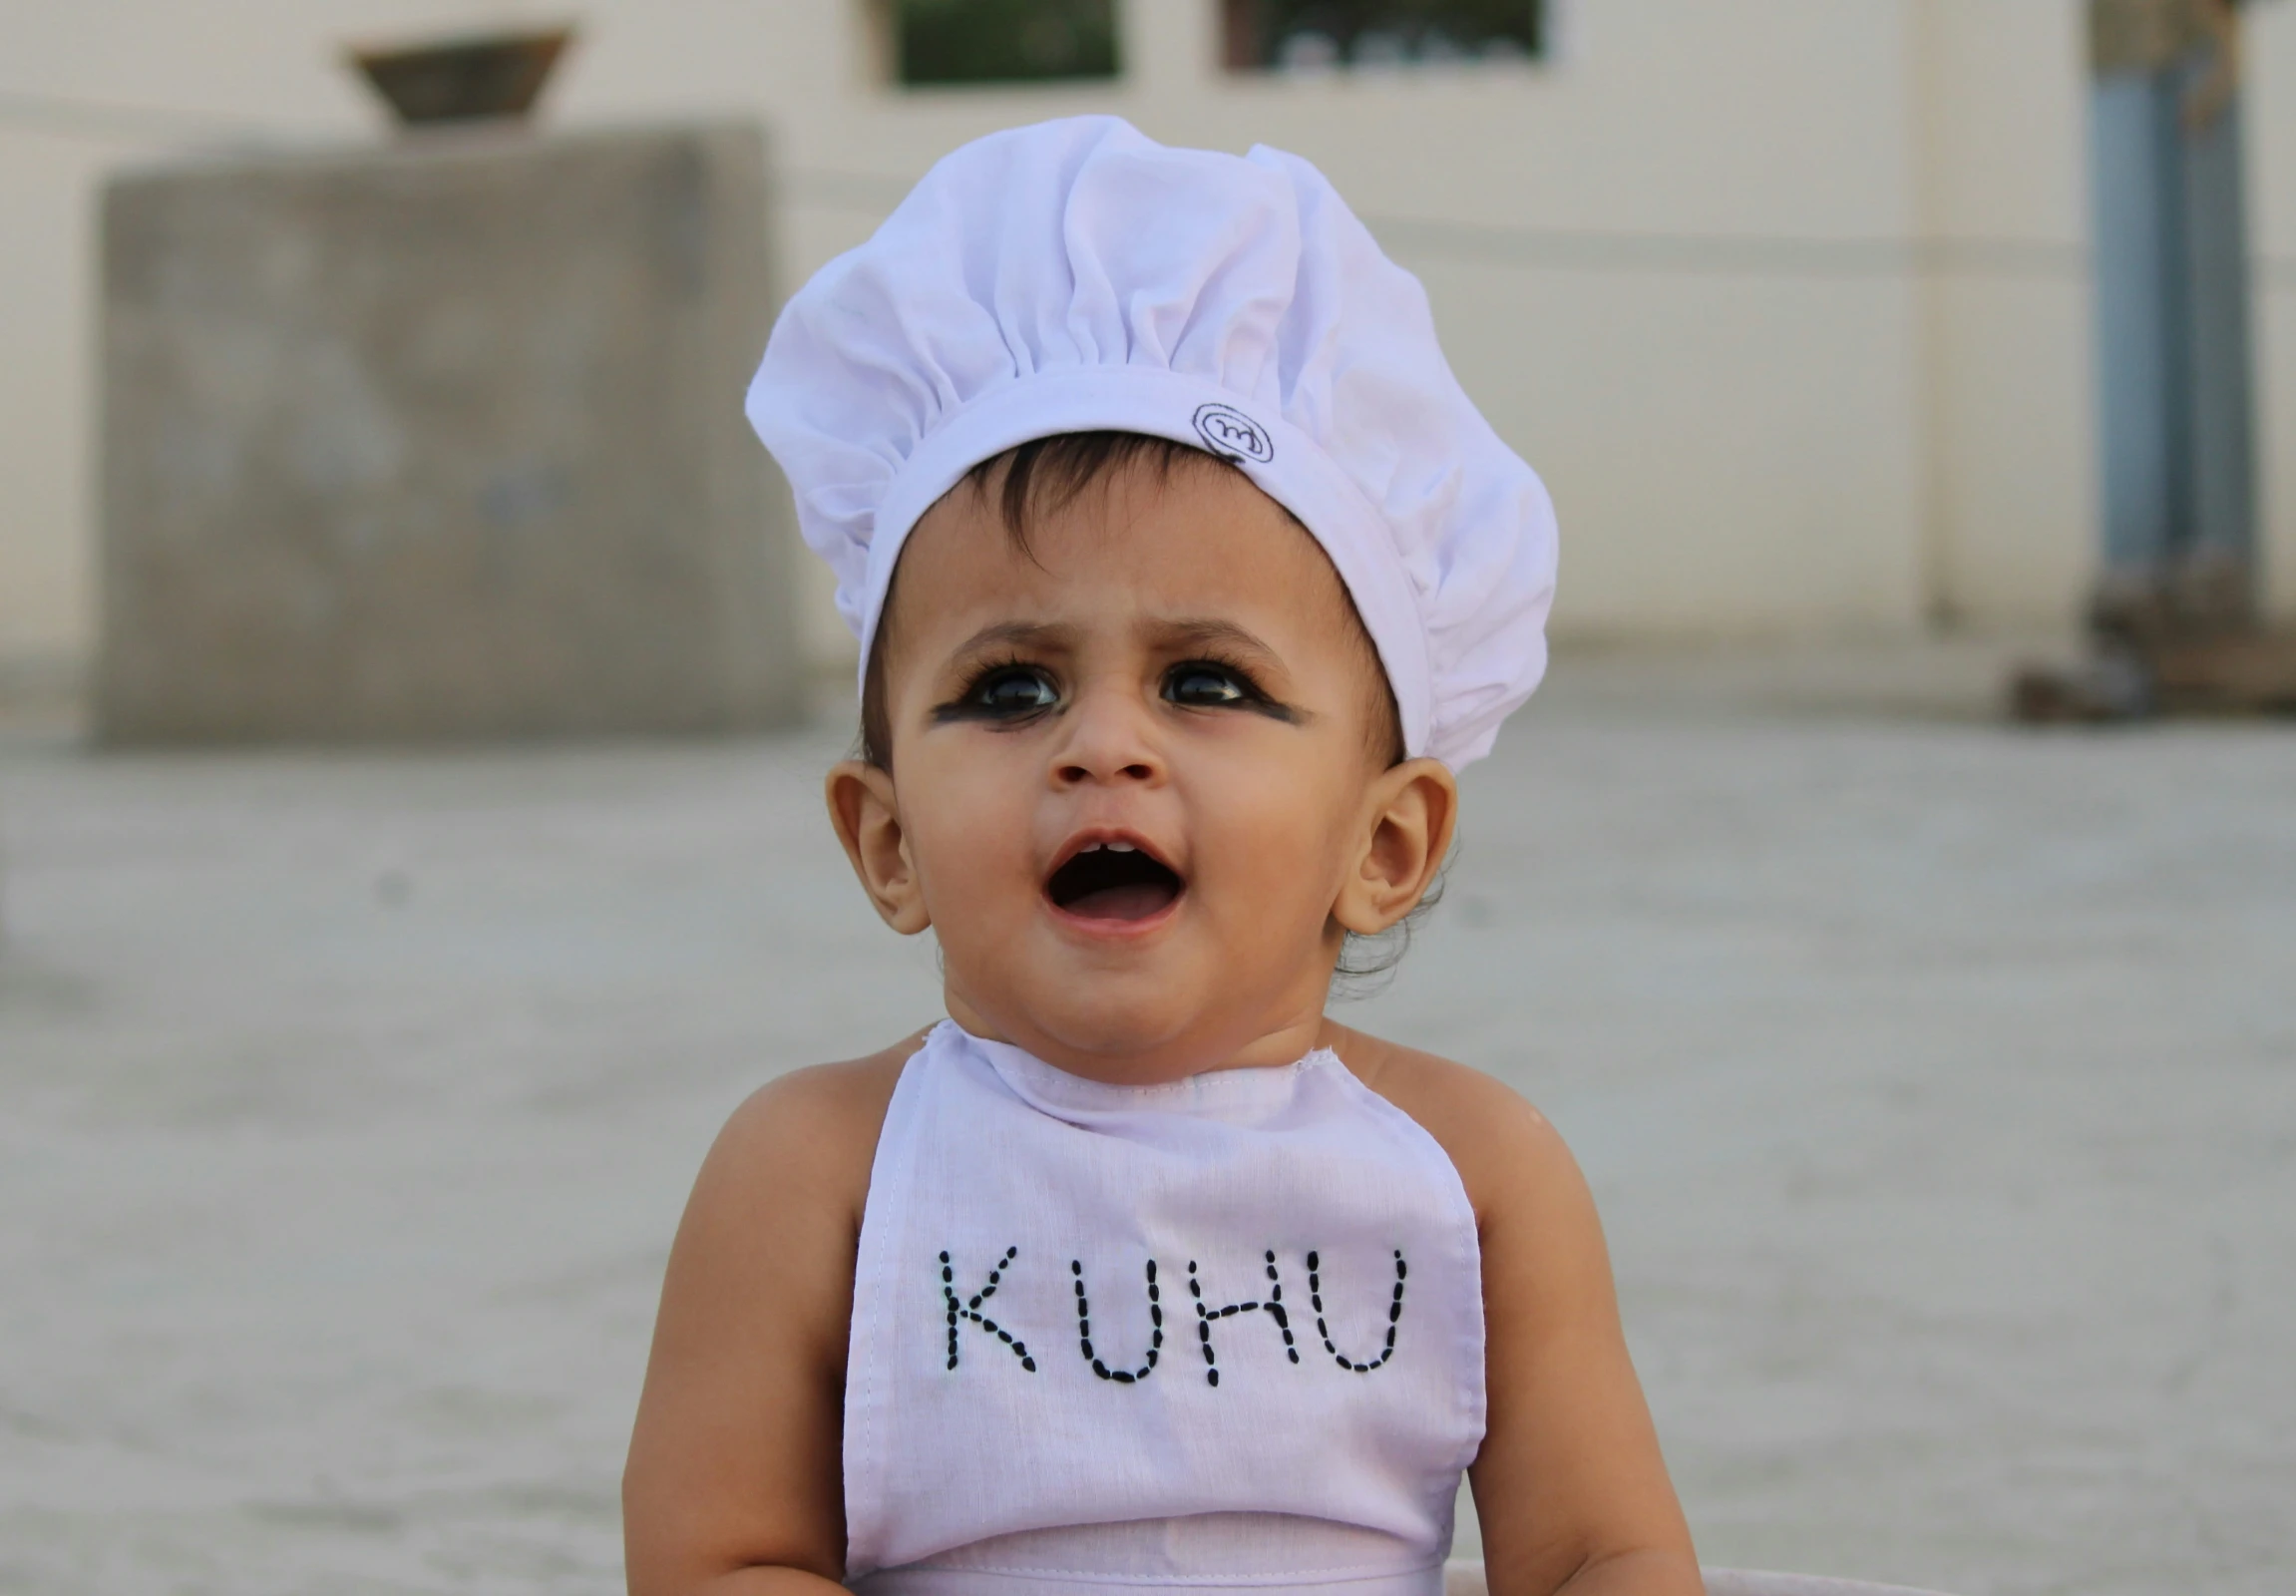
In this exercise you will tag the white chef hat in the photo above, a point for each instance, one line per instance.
(1077, 276)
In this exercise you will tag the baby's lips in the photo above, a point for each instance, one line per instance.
(1118, 839)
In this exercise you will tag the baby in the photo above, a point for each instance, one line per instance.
(1186, 578)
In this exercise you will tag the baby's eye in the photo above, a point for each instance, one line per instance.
(1200, 685)
(1014, 692)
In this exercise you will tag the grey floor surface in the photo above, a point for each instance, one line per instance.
(1938, 1082)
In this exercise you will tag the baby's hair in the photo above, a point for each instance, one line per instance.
(1047, 475)
(1368, 963)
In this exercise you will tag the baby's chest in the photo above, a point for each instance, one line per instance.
(1171, 1371)
(1238, 1291)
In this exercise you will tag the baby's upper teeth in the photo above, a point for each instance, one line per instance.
(1119, 847)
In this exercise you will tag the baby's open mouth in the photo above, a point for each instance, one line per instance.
(1113, 881)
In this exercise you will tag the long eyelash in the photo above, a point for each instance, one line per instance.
(1255, 697)
(995, 665)
(1234, 667)
(963, 707)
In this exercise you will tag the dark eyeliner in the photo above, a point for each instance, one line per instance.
(966, 705)
(1255, 698)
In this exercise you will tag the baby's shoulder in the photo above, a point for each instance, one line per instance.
(813, 1132)
(1505, 1151)
(828, 1096)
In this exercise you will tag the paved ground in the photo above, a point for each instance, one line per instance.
(1939, 1084)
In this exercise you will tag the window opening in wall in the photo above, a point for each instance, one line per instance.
(1321, 35)
(1001, 40)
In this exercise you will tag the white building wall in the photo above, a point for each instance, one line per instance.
(2010, 401)
(1788, 299)
(46, 367)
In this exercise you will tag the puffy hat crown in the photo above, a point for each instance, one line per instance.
(1075, 277)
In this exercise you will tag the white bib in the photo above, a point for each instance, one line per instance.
(1223, 1332)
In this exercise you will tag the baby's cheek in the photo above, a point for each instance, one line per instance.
(976, 875)
(1280, 848)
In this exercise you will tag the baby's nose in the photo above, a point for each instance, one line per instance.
(1110, 742)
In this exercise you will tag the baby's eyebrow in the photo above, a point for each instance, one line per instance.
(1210, 632)
(1013, 635)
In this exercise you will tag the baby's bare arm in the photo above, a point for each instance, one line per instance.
(733, 1481)
(1570, 1486)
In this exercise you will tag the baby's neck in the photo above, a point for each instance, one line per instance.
(1258, 1043)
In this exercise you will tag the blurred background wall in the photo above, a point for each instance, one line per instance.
(1789, 299)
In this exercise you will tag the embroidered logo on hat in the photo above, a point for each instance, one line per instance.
(1231, 433)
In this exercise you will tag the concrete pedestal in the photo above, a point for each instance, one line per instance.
(443, 440)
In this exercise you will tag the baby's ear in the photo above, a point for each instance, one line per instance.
(1409, 814)
(862, 809)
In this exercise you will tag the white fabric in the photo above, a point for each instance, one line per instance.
(1075, 277)
(1022, 1462)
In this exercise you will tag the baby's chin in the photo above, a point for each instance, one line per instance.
(1131, 1028)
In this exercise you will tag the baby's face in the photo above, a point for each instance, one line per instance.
(1136, 771)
